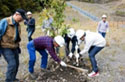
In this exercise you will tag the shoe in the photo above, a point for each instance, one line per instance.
(93, 74)
(16, 80)
(32, 76)
(45, 70)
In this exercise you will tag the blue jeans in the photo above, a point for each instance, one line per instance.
(103, 34)
(32, 56)
(11, 56)
(30, 33)
(92, 52)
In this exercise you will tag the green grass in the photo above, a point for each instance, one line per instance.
(120, 13)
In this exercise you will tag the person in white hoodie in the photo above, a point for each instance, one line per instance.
(94, 43)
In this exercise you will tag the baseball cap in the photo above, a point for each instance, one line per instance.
(22, 13)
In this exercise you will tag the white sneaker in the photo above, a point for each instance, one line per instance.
(93, 74)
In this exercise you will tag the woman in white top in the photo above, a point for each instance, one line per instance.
(94, 43)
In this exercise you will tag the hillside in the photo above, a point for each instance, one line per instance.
(111, 60)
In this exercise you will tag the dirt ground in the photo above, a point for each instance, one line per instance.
(111, 60)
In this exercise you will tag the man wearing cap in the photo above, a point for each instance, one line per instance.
(94, 43)
(44, 45)
(9, 42)
(103, 26)
(30, 25)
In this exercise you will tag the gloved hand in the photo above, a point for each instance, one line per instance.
(77, 56)
(70, 55)
(63, 64)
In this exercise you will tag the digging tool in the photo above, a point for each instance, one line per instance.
(77, 68)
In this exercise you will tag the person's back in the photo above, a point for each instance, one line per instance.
(43, 42)
(95, 38)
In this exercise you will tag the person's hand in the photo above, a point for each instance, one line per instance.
(77, 56)
(63, 64)
(70, 55)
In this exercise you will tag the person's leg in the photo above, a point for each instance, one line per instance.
(44, 58)
(30, 32)
(17, 62)
(32, 56)
(67, 50)
(103, 34)
(92, 54)
(9, 56)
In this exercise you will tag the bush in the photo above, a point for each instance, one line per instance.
(120, 13)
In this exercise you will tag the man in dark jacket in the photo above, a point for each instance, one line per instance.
(9, 42)
(30, 25)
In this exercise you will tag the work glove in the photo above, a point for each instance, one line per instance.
(77, 56)
(70, 55)
(63, 64)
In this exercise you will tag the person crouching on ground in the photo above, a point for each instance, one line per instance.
(30, 22)
(103, 26)
(43, 45)
(94, 43)
(71, 37)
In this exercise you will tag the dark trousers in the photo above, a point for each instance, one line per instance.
(103, 34)
(11, 56)
(92, 52)
(30, 33)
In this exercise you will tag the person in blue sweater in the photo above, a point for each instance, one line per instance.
(30, 25)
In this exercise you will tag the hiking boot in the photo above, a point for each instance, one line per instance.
(45, 70)
(16, 80)
(93, 74)
(32, 76)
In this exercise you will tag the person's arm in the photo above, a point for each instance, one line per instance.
(52, 52)
(74, 42)
(107, 26)
(3, 26)
(25, 22)
(87, 46)
(98, 27)
(31, 22)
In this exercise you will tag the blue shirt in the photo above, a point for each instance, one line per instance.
(3, 26)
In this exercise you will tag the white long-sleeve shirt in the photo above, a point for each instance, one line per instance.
(103, 26)
(93, 39)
